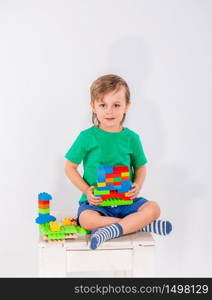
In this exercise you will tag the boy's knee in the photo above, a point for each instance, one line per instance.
(155, 208)
(85, 220)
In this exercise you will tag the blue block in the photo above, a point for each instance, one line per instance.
(42, 219)
(44, 196)
(123, 190)
(126, 183)
(108, 169)
(101, 177)
(100, 180)
(100, 169)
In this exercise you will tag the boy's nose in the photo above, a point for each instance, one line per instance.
(109, 110)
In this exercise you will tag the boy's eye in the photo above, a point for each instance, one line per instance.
(104, 105)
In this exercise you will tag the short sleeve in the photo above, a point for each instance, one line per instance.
(77, 151)
(138, 156)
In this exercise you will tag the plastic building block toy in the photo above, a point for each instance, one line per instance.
(113, 184)
(66, 232)
(66, 221)
(54, 226)
(44, 209)
(50, 229)
(115, 202)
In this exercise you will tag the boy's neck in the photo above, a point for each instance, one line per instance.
(111, 129)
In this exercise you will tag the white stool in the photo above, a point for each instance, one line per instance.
(131, 255)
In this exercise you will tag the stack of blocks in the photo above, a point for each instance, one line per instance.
(44, 209)
(50, 228)
(113, 184)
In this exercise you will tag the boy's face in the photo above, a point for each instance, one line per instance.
(110, 110)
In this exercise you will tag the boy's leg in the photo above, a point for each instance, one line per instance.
(145, 214)
(91, 219)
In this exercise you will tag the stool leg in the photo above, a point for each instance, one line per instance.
(143, 261)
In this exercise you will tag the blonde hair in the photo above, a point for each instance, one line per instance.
(102, 86)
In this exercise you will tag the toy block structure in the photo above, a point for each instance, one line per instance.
(50, 229)
(113, 184)
(62, 232)
(44, 209)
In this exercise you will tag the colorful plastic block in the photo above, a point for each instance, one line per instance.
(120, 169)
(117, 181)
(66, 221)
(101, 184)
(115, 202)
(125, 174)
(54, 226)
(44, 216)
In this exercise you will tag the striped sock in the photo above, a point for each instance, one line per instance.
(103, 234)
(158, 226)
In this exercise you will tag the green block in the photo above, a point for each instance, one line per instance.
(60, 235)
(82, 230)
(115, 201)
(56, 236)
(44, 211)
(68, 229)
(117, 179)
(97, 192)
(44, 228)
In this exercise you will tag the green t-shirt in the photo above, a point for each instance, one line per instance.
(97, 147)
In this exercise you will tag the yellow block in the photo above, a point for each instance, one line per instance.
(126, 194)
(100, 184)
(124, 174)
(66, 221)
(54, 226)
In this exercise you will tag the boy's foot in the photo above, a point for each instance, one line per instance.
(106, 233)
(158, 226)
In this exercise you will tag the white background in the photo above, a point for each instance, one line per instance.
(50, 53)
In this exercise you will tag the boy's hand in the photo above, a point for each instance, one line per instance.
(133, 193)
(92, 200)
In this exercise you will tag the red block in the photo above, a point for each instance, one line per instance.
(116, 183)
(120, 194)
(126, 178)
(43, 202)
(113, 192)
(113, 175)
(105, 197)
(120, 169)
(126, 198)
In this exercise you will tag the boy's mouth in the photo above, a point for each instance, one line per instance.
(109, 119)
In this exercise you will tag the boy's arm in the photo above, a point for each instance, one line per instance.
(75, 177)
(140, 175)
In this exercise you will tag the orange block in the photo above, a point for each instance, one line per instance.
(109, 179)
(43, 206)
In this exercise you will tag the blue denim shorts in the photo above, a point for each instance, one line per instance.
(120, 211)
